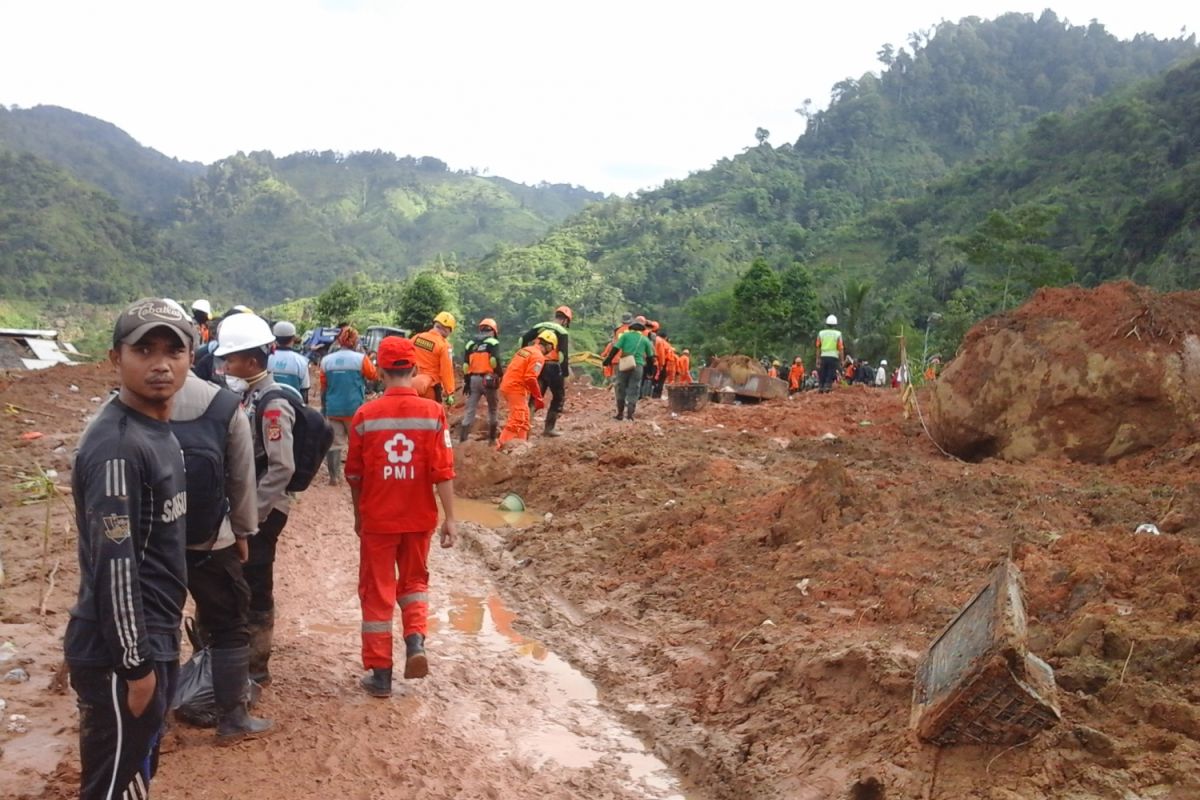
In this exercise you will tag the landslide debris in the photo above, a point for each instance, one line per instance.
(1091, 374)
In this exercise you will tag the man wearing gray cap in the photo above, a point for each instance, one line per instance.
(122, 640)
(288, 367)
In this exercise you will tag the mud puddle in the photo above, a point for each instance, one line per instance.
(569, 728)
(489, 516)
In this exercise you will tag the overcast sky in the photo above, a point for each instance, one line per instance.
(616, 95)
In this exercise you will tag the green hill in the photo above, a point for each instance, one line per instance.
(278, 228)
(63, 240)
(968, 89)
(144, 182)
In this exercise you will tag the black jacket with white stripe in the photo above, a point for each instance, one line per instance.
(130, 502)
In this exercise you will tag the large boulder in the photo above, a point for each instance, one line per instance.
(1090, 374)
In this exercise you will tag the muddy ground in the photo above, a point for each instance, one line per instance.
(742, 601)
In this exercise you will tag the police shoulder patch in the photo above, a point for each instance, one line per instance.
(116, 527)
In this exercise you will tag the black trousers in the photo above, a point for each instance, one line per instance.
(118, 753)
(829, 368)
(260, 568)
(551, 380)
(222, 596)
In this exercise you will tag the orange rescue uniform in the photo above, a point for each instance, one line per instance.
(399, 449)
(519, 384)
(608, 348)
(796, 376)
(433, 364)
(683, 369)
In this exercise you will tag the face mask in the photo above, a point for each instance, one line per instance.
(238, 385)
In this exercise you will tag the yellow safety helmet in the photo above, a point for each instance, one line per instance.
(446, 320)
(488, 322)
(549, 336)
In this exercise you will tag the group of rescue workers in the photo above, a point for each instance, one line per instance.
(184, 481)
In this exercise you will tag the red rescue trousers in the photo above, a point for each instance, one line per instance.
(517, 425)
(392, 571)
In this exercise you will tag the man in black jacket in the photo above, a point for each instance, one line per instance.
(122, 640)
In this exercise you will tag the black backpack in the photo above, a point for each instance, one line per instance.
(203, 442)
(312, 436)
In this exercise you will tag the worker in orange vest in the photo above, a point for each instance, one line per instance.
(521, 383)
(773, 372)
(683, 367)
(482, 369)
(435, 372)
(662, 350)
(796, 375)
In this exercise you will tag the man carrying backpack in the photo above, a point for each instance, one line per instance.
(218, 450)
(344, 377)
(245, 342)
(287, 366)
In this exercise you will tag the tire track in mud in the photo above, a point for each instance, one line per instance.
(499, 717)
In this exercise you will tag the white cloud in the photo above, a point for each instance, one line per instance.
(614, 95)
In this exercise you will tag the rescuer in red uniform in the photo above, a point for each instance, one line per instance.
(400, 454)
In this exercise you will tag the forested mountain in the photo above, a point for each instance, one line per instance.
(254, 228)
(276, 228)
(144, 181)
(954, 94)
(63, 240)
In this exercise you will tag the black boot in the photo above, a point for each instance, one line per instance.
(262, 631)
(230, 668)
(493, 432)
(463, 432)
(620, 411)
(551, 421)
(377, 683)
(416, 665)
(629, 415)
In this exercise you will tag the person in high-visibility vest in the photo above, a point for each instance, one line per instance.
(483, 369)
(830, 352)
(521, 383)
(435, 372)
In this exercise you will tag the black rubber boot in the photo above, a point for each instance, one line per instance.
(262, 631)
(551, 421)
(463, 433)
(377, 683)
(230, 668)
(416, 665)
(493, 432)
(333, 463)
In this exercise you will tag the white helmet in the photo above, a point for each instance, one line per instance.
(242, 332)
(883, 363)
(831, 319)
(284, 330)
(202, 306)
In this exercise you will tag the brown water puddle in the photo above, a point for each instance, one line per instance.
(488, 515)
(570, 728)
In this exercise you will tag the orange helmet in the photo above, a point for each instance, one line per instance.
(652, 325)
(488, 322)
(566, 312)
(640, 318)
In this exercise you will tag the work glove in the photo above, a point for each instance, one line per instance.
(450, 400)
(538, 404)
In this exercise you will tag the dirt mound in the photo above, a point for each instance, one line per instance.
(740, 368)
(1094, 375)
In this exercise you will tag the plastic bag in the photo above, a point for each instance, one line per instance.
(194, 701)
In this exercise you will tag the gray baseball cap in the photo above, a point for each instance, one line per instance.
(284, 330)
(149, 313)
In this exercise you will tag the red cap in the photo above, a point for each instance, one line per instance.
(396, 352)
